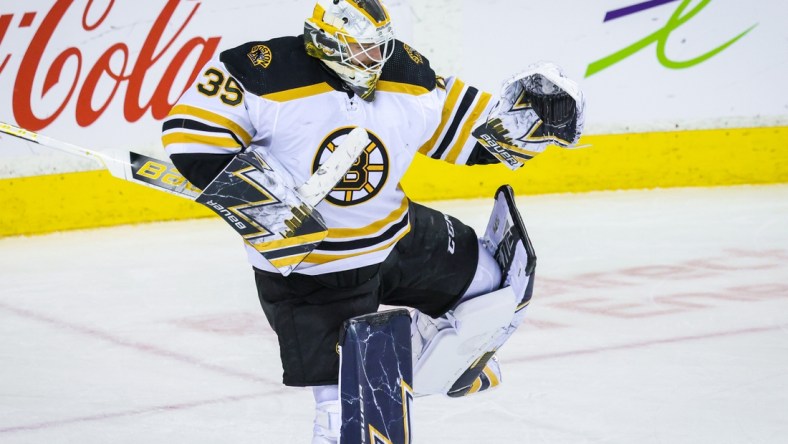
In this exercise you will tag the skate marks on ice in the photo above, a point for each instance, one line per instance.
(658, 316)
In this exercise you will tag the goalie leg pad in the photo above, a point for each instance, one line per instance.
(471, 329)
(457, 347)
(507, 240)
(376, 377)
(487, 277)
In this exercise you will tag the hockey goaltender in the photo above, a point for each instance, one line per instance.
(257, 125)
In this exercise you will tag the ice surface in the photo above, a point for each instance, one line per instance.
(658, 317)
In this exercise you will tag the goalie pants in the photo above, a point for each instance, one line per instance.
(422, 272)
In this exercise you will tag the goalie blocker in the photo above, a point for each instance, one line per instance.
(255, 200)
(258, 198)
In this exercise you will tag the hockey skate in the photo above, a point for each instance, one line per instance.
(328, 419)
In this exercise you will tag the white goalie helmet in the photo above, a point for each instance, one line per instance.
(353, 38)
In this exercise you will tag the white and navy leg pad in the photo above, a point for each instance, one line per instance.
(459, 339)
(488, 275)
(451, 353)
(375, 378)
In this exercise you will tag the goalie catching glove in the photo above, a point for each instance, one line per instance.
(536, 108)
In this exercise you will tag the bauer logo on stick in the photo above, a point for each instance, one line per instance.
(160, 174)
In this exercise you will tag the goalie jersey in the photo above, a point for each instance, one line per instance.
(273, 98)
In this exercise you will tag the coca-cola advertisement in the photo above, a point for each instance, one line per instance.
(103, 73)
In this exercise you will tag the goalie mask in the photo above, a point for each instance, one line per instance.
(353, 38)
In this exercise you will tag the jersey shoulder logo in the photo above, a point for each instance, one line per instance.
(260, 55)
(365, 178)
(413, 54)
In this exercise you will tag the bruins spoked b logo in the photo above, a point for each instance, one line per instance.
(367, 175)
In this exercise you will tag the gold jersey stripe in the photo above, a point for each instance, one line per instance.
(448, 109)
(299, 93)
(318, 258)
(481, 105)
(221, 142)
(289, 260)
(376, 226)
(217, 119)
(397, 87)
(289, 242)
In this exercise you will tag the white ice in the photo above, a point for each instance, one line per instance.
(658, 317)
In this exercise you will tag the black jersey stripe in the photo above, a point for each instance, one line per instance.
(358, 244)
(462, 110)
(180, 123)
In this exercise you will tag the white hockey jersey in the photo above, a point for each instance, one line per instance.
(271, 96)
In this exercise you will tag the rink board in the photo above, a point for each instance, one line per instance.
(42, 204)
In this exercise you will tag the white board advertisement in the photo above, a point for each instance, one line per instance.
(103, 73)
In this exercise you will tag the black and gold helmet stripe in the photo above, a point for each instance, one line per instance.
(373, 10)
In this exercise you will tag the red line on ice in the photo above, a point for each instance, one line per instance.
(142, 411)
(138, 346)
(644, 344)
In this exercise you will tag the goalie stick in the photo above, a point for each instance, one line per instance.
(138, 168)
(288, 241)
(161, 175)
